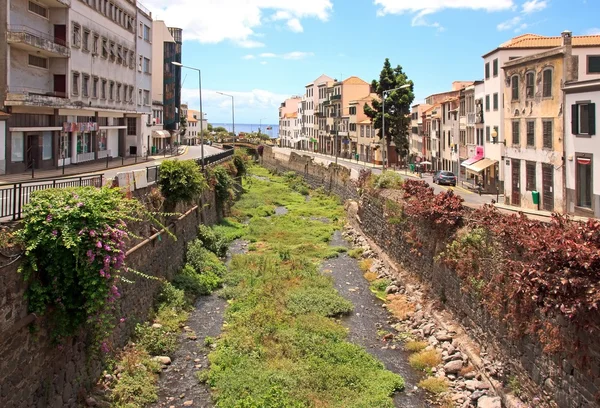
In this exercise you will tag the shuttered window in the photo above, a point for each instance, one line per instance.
(516, 139)
(547, 83)
(583, 119)
(593, 64)
(530, 176)
(547, 128)
(515, 88)
(530, 133)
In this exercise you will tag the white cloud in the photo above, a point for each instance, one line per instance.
(263, 63)
(214, 21)
(254, 104)
(509, 24)
(422, 8)
(593, 31)
(294, 55)
(533, 6)
(248, 57)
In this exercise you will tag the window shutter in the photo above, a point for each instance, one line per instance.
(592, 118)
(575, 119)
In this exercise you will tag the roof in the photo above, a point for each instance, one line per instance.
(367, 98)
(354, 80)
(4, 115)
(539, 41)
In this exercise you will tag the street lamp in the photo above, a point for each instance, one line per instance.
(260, 126)
(179, 64)
(232, 115)
(383, 138)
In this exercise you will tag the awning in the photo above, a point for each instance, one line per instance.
(481, 165)
(583, 160)
(473, 159)
(160, 134)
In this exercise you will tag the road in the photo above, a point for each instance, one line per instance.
(471, 198)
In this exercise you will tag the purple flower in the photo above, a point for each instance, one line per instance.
(49, 218)
(99, 244)
(55, 232)
(104, 347)
(102, 273)
(92, 233)
(122, 319)
(80, 204)
(107, 247)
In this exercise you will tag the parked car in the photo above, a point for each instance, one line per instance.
(445, 177)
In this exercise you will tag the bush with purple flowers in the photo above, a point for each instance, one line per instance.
(75, 244)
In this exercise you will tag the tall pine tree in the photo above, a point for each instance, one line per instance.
(397, 106)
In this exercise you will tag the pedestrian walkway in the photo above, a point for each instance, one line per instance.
(84, 168)
(537, 213)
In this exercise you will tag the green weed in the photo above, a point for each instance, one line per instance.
(424, 360)
(356, 253)
(434, 385)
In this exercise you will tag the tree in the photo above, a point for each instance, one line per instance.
(397, 106)
(219, 129)
(183, 125)
(209, 127)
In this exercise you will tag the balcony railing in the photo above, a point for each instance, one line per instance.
(34, 92)
(335, 97)
(470, 118)
(20, 34)
(144, 9)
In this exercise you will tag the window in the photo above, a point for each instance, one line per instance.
(76, 41)
(131, 94)
(547, 133)
(495, 62)
(86, 40)
(530, 176)
(139, 96)
(95, 44)
(47, 146)
(146, 33)
(584, 181)
(37, 9)
(352, 110)
(131, 126)
(515, 87)
(146, 97)
(75, 90)
(487, 70)
(103, 89)
(119, 54)
(118, 93)
(593, 63)
(583, 119)
(111, 90)
(111, 50)
(38, 62)
(141, 63)
(85, 85)
(95, 87)
(515, 133)
(141, 30)
(131, 59)
(104, 48)
(487, 103)
(495, 101)
(530, 84)
(547, 83)
(531, 133)
(146, 66)
(125, 88)
(17, 147)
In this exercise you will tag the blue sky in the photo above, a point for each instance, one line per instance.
(262, 51)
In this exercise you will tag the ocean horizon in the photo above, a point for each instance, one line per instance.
(251, 127)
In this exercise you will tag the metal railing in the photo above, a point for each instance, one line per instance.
(14, 196)
(33, 37)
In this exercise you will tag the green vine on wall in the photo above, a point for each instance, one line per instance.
(75, 244)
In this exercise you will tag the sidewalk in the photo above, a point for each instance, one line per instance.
(84, 168)
(538, 213)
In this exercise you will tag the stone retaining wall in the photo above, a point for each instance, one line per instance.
(35, 373)
(548, 378)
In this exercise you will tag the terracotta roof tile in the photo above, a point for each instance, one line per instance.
(539, 41)
(354, 80)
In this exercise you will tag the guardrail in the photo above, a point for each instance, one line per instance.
(14, 196)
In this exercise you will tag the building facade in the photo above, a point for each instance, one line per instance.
(143, 81)
(69, 76)
(288, 115)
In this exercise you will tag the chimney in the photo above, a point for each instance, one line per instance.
(567, 38)
(570, 71)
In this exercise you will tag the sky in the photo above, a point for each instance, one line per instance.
(263, 51)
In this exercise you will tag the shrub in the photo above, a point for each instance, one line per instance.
(356, 253)
(388, 179)
(223, 184)
(157, 341)
(324, 301)
(136, 386)
(196, 284)
(181, 181)
(203, 260)
(425, 359)
(434, 385)
(172, 297)
(241, 161)
(415, 346)
(213, 240)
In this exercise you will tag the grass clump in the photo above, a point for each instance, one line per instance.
(399, 306)
(387, 179)
(414, 346)
(425, 360)
(434, 385)
(356, 253)
(365, 265)
(136, 386)
(318, 297)
(378, 287)
(213, 240)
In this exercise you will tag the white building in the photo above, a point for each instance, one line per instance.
(143, 81)
(311, 100)
(288, 115)
(68, 80)
(582, 149)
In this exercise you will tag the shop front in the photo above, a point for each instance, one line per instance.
(78, 143)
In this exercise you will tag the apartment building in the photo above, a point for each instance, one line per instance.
(68, 80)
(449, 137)
(143, 83)
(310, 104)
(166, 82)
(361, 132)
(582, 149)
(417, 132)
(288, 121)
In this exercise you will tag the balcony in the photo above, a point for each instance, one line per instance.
(32, 40)
(335, 97)
(471, 119)
(38, 97)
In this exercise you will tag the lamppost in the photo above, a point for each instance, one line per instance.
(260, 126)
(232, 115)
(179, 64)
(383, 138)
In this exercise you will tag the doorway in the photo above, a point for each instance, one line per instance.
(60, 86)
(548, 186)
(32, 151)
(60, 34)
(516, 182)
